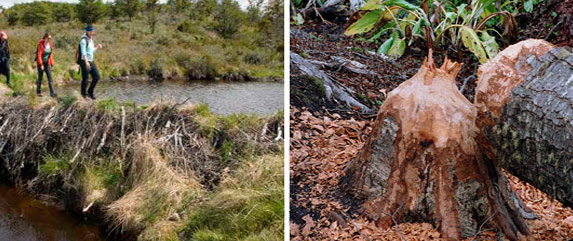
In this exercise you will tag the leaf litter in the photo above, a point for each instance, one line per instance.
(324, 139)
(322, 145)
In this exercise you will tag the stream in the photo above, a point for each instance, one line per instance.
(23, 218)
(222, 97)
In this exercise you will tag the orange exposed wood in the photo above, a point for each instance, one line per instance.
(498, 76)
(438, 172)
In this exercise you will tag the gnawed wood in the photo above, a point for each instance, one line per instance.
(426, 158)
(332, 90)
(525, 108)
(498, 77)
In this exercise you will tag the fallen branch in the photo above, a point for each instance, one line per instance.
(331, 89)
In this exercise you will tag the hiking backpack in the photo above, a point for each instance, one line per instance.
(78, 50)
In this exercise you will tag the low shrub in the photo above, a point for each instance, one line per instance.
(155, 71)
(252, 58)
(202, 69)
(138, 67)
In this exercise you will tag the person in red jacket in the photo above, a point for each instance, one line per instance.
(45, 62)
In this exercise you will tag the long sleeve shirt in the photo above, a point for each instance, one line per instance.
(4, 50)
(87, 48)
(44, 54)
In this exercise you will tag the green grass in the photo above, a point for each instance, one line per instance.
(130, 48)
(54, 166)
(107, 104)
(247, 206)
(67, 100)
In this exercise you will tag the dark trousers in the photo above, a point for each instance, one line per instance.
(85, 74)
(48, 71)
(5, 70)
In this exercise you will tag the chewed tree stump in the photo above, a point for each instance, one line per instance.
(426, 160)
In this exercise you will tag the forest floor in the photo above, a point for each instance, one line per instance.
(325, 136)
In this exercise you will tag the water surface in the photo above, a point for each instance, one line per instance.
(222, 97)
(23, 218)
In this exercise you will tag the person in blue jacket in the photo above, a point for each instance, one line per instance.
(87, 62)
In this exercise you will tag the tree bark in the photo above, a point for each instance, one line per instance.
(529, 118)
(426, 160)
(339, 92)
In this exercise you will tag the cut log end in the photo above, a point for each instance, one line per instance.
(525, 102)
(509, 68)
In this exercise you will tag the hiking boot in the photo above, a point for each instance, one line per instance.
(53, 95)
(39, 94)
(92, 96)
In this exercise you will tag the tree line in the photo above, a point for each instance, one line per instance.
(227, 14)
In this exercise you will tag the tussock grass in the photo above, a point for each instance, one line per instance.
(248, 204)
(154, 171)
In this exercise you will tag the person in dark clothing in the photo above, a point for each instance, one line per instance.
(45, 62)
(87, 63)
(4, 57)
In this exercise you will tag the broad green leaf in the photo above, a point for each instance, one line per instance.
(471, 41)
(387, 45)
(489, 44)
(398, 47)
(417, 26)
(381, 31)
(402, 3)
(371, 5)
(451, 16)
(528, 6)
(490, 9)
(364, 24)
(462, 11)
(415, 30)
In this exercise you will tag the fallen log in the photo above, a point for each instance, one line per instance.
(332, 90)
(524, 98)
(346, 64)
(426, 160)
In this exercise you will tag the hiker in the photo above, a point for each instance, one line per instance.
(4, 57)
(86, 62)
(45, 62)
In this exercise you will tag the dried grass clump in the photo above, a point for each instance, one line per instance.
(144, 169)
